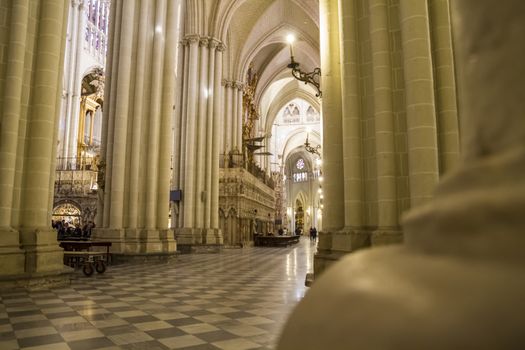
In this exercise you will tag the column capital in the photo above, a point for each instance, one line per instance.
(238, 85)
(221, 47)
(190, 39)
(213, 43)
(204, 42)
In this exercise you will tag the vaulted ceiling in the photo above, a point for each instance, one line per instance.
(256, 34)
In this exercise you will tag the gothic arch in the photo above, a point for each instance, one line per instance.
(288, 94)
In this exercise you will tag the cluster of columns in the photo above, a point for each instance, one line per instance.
(137, 132)
(198, 129)
(463, 261)
(390, 116)
(30, 94)
(232, 115)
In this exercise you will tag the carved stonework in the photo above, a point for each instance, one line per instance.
(204, 42)
(213, 43)
(191, 39)
(238, 85)
(243, 200)
(221, 47)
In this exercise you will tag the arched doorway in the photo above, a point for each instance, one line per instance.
(68, 212)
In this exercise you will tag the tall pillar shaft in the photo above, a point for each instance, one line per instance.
(218, 132)
(228, 143)
(12, 108)
(445, 83)
(72, 57)
(383, 115)
(420, 105)
(139, 131)
(190, 117)
(181, 123)
(350, 109)
(202, 123)
(235, 117)
(202, 108)
(74, 93)
(120, 117)
(209, 132)
(108, 125)
(138, 105)
(240, 115)
(30, 101)
(381, 150)
(332, 117)
(168, 106)
(41, 126)
(154, 120)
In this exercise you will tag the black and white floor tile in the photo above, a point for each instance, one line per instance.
(236, 300)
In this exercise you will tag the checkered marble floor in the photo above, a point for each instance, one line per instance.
(238, 299)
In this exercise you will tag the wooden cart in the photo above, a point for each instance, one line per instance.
(88, 261)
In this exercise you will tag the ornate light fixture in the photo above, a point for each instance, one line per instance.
(313, 150)
(308, 78)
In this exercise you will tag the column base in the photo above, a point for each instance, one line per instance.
(333, 245)
(37, 280)
(197, 240)
(43, 254)
(31, 259)
(12, 258)
(138, 245)
(382, 237)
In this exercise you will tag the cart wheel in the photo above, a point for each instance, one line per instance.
(100, 266)
(88, 269)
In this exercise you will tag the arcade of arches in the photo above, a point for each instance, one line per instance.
(176, 125)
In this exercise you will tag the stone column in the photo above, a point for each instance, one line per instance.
(190, 118)
(388, 229)
(12, 108)
(235, 116)
(173, 29)
(12, 259)
(70, 74)
(332, 238)
(240, 116)
(202, 123)
(75, 83)
(218, 133)
(228, 103)
(30, 106)
(209, 132)
(421, 109)
(116, 157)
(154, 118)
(478, 211)
(350, 104)
(138, 105)
(332, 121)
(445, 84)
(380, 147)
(463, 263)
(137, 185)
(181, 125)
(201, 107)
